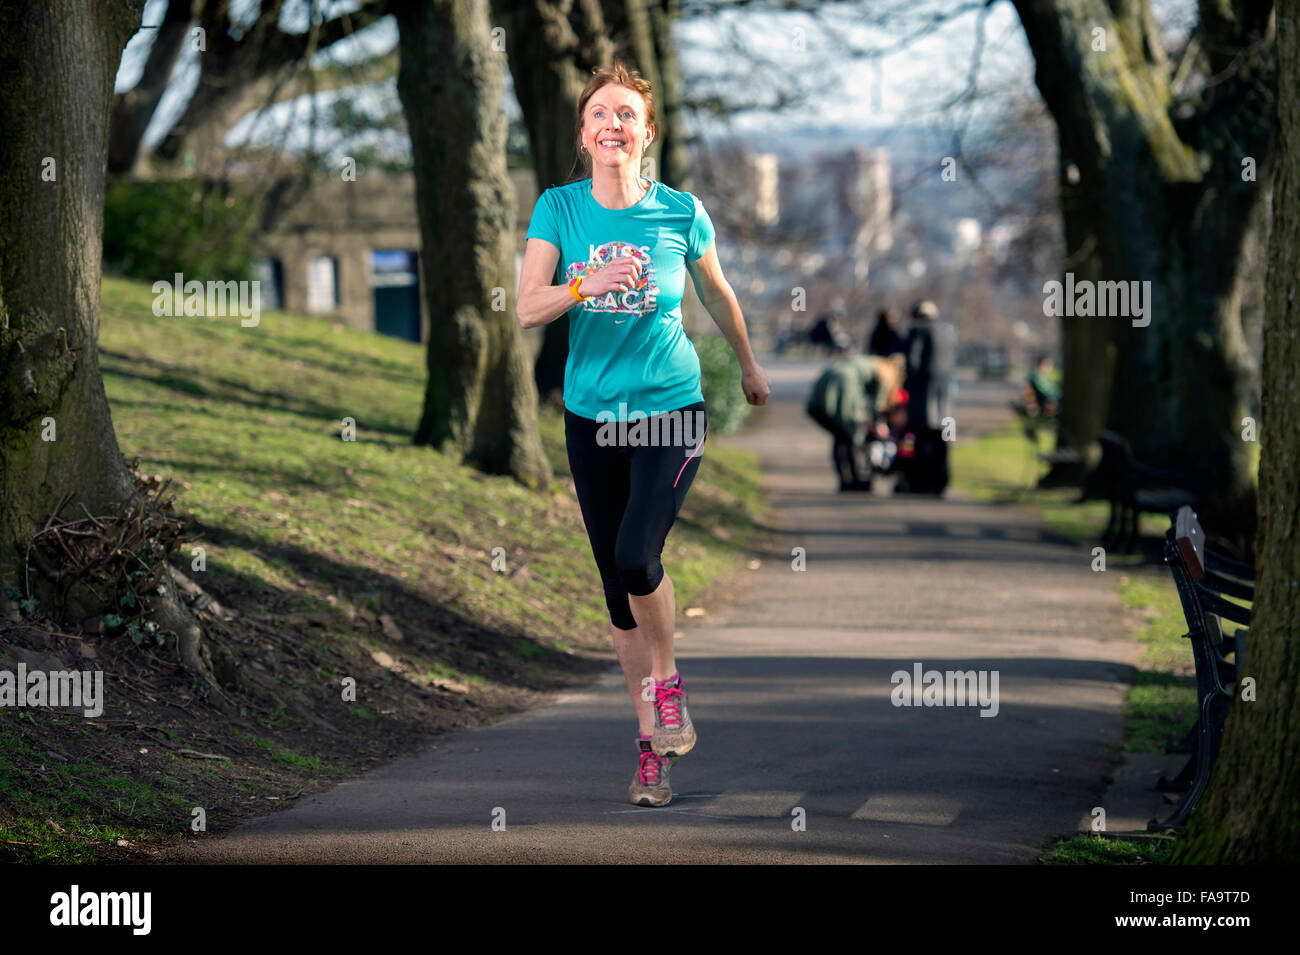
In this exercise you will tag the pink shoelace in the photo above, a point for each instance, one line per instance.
(651, 765)
(668, 701)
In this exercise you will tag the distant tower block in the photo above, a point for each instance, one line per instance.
(765, 170)
(878, 200)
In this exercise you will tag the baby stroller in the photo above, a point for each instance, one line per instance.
(893, 452)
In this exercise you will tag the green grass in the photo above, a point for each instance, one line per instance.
(1156, 599)
(250, 420)
(314, 763)
(1161, 703)
(1003, 467)
(1100, 850)
(86, 805)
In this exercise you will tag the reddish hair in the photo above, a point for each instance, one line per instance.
(619, 75)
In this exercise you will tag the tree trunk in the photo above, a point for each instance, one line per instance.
(1087, 357)
(57, 64)
(674, 158)
(633, 37)
(552, 48)
(134, 109)
(1150, 200)
(1251, 811)
(480, 403)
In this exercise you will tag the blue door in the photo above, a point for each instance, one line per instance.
(395, 279)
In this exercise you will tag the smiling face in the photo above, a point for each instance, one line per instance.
(614, 129)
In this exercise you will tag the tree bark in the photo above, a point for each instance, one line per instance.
(134, 109)
(674, 158)
(1251, 811)
(1087, 358)
(1151, 198)
(480, 403)
(57, 65)
(552, 47)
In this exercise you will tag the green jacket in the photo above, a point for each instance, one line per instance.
(1044, 386)
(848, 391)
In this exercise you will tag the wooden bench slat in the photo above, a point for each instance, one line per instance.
(1191, 541)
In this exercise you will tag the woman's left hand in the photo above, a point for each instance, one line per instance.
(757, 386)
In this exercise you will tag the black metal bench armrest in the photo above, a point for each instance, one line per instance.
(1223, 565)
(1212, 603)
(1227, 587)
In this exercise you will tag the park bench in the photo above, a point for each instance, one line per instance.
(1205, 580)
(1030, 423)
(1134, 488)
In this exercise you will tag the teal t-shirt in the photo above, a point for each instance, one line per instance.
(629, 355)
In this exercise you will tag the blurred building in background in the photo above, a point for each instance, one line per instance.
(352, 249)
(796, 234)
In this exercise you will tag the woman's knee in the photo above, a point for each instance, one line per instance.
(620, 610)
(641, 574)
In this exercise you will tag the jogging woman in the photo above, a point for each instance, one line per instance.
(635, 420)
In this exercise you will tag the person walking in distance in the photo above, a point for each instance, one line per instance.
(635, 418)
(931, 345)
(885, 339)
(847, 399)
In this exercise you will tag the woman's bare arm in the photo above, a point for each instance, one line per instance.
(720, 299)
(538, 302)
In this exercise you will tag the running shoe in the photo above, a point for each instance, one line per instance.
(650, 788)
(674, 733)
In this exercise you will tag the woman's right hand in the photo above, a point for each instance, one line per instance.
(616, 275)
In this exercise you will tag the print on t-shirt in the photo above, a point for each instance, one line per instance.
(639, 300)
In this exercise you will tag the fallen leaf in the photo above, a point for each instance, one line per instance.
(450, 685)
(390, 628)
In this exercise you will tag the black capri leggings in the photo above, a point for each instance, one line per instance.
(630, 489)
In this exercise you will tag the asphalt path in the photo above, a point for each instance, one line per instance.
(803, 755)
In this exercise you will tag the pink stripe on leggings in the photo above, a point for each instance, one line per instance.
(689, 456)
